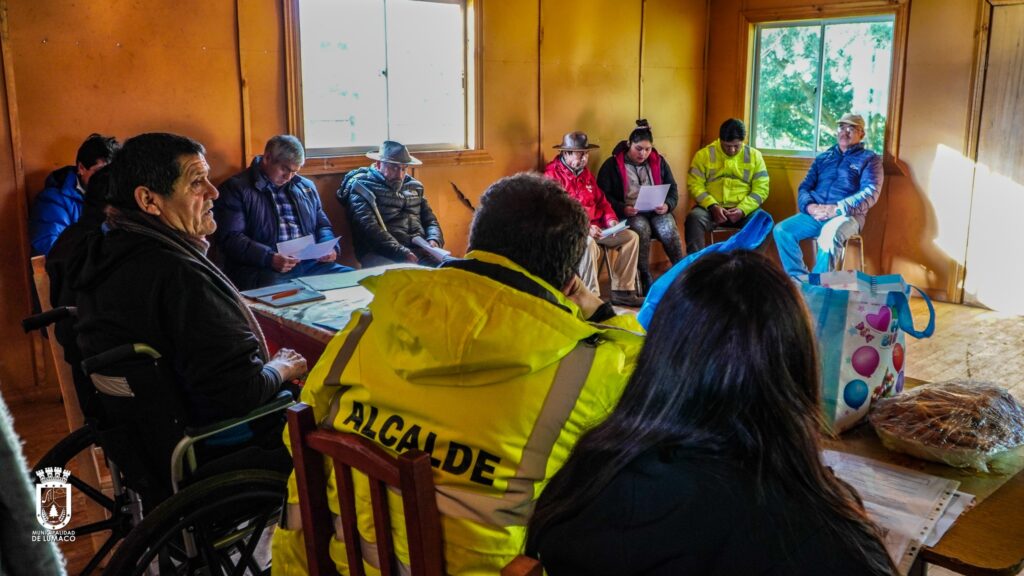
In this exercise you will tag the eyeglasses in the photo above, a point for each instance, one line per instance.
(847, 128)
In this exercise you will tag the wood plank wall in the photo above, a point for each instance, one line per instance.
(123, 67)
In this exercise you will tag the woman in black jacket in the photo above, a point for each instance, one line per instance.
(710, 463)
(635, 163)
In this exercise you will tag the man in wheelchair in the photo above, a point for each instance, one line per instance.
(144, 278)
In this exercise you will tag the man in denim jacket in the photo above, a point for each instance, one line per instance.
(842, 185)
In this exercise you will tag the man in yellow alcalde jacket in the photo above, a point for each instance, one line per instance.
(729, 182)
(486, 364)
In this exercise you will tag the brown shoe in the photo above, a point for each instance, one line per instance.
(626, 298)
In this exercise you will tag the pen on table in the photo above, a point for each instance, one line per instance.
(285, 294)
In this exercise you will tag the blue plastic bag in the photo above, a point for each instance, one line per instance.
(749, 237)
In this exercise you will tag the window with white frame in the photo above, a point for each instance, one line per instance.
(375, 70)
(807, 74)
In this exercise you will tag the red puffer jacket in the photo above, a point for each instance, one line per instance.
(584, 189)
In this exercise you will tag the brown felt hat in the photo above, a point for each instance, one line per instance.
(395, 153)
(573, 141)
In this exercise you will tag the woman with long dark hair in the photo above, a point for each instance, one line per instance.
(710, 464)
(635, 162)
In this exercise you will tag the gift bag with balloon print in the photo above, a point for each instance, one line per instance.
(861, 322)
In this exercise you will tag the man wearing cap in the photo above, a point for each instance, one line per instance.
(842, 185)
(388, 210)
(569, 168)
(266, 204)
(729, 182)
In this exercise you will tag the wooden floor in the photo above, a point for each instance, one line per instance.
(968, 342)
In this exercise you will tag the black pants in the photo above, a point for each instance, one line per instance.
(661, 227)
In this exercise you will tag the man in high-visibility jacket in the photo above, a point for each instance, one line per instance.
(494, 365)
(729, 182)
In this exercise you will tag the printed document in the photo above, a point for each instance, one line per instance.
(651, 197)
(905, 503)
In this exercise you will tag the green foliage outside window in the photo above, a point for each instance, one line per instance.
(809, 74)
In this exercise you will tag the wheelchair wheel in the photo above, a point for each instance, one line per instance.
(220, 525)
(116, 509)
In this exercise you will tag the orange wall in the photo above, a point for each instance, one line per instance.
(918, 228)
(123, 67)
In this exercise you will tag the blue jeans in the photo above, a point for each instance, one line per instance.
(831, 237)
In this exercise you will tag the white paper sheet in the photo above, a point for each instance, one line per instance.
(437, 253)
(293, 247)
(651, 197)
(905, 503)
(961, 502)
(316, 251)
(613, 230)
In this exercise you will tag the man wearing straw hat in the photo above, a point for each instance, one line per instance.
(389, 213)
(569, 168)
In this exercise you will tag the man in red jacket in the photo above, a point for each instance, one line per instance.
(569, 168)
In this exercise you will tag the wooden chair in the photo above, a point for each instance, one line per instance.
(854, 239)
(89, 463)
(410, 473)
(523, 566)
(719, 234)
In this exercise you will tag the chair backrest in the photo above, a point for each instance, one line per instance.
(65, 380)
(410, 473)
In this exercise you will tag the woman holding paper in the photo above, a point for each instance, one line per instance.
(711, 462)
(634, 171)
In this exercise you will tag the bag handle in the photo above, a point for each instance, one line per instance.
(901, 303)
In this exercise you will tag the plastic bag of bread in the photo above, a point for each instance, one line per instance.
(961, 423)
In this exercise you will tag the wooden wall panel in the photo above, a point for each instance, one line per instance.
(17, 368)
(919, 228)
(122, 67)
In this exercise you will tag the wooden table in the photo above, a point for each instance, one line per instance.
(986, 540)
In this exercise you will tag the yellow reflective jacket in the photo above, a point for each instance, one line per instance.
(494, 383)
(740, 181)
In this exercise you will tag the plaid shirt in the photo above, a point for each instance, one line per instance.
(287, 222)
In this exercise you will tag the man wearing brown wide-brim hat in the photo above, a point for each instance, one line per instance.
(569, 168)
(390, 217)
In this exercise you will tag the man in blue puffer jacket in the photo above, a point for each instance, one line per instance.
(843, 183)
(60, 203)
(263, 205)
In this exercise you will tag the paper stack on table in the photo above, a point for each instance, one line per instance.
(905, 503)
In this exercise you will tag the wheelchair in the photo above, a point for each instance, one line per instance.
(183, 499)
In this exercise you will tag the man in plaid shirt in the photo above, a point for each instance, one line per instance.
(266, 204)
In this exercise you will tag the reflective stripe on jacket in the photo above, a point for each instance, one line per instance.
(738, 181)
(494, 383)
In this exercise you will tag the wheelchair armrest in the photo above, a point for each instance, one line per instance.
(280, 402)
(43, 320)
(114, 355)
(183, 450)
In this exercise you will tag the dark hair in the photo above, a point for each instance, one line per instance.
(95, 148)
(641, 132)
(732, 129)
(97, 189)
(151, 160)
(533, 222)
(757, 405)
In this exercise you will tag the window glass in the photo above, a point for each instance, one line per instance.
(809, 74)
(382, 69)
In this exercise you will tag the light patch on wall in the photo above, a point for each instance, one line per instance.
(949, 190)
(994, 274)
